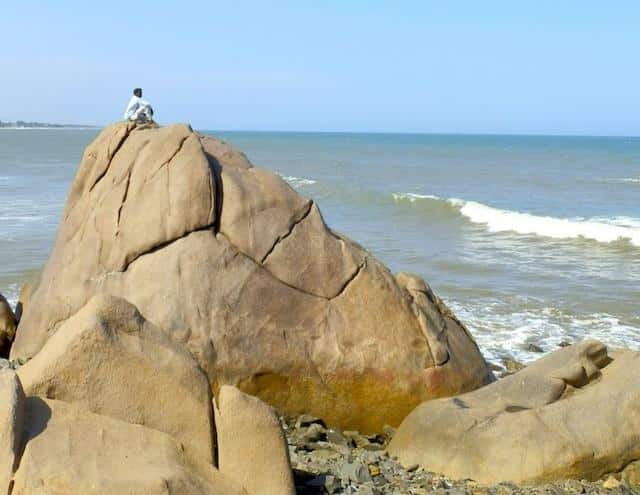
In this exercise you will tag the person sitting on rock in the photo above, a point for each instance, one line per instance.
(138, 110)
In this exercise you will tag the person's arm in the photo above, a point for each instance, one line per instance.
(131, 108)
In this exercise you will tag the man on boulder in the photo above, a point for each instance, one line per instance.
(138, 110)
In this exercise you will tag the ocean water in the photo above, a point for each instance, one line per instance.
(529, 239)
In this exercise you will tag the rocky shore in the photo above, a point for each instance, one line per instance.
(191, 299)
(327, 461)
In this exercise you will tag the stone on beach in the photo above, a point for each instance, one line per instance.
(243, 271)
(7, 327)
(113, 362)
(252, 449)
(12, 406)
(70, 451)
(572, 414)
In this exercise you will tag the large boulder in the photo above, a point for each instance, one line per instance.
(243, 271)
(70, 451)
(12, 407)
(249, 434)
(7, 327)
(574, 413)
(111, 361)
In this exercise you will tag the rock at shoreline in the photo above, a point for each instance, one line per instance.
(252, 449)
(113, 362)
(361, 466)
(71, 451)
(25, 293)
(12, 405)
(243, 271)
(571, 414)
(7, 327)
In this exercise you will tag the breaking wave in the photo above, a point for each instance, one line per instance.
(504, 331)
(298, 181)
(624, 180)
(599, 229)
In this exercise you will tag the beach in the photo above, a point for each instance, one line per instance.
(188, 287)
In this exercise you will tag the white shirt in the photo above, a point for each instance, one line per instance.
(134, 104)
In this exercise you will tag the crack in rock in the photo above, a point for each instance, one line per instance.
(281, 238)
(113, 155)
(178, 150)
(161, 245)
(353, 276)
(124, 200)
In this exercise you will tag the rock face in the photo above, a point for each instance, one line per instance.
(12, 405)
(71, 451)
(7, 327)
(249, 434)
(243, 271)
(572, 414)
(108, 359)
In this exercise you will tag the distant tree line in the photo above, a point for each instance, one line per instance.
(22, 124)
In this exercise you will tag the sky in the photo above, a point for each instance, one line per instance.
(516, 67)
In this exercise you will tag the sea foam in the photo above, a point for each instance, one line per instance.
(601, 229)
(298, 181)
(413, 197)
(627, 180)
(503, 331)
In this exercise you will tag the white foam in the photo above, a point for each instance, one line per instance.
(601, 229)
(11, 294)
(501, 332)
(413, 197)
(23, 218)
(627, 180)
(298, 181)
(497, 220)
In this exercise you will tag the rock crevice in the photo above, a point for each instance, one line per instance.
(296, 221)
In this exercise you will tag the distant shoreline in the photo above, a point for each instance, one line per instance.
(51, 128)
(20, 124)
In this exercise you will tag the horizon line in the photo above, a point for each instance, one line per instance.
(68, 126)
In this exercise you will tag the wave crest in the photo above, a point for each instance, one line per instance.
(495, 220)
(298, 181)
(624, 180)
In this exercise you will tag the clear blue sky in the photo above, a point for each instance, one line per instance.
(536, 66)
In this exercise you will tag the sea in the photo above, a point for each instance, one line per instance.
(533, 241)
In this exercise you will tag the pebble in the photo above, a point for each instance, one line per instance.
(611, 483)
(14, 365)
(307, 420)
(511, 365)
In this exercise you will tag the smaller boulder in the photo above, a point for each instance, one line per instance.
(8, 326)
(631, 474)
(252, 449)
(111, 360)
(72, 451)
(12, 404)
(571, 414)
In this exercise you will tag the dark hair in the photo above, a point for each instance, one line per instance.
(137, 92)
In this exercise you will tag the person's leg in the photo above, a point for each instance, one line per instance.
(147, 113)
(143, 114)
(137, 115)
